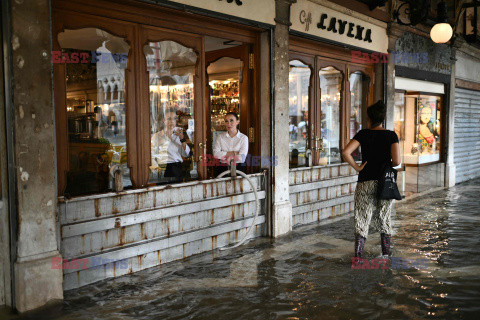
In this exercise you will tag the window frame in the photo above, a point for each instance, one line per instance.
(309, 61)
(126, 20)
(325, 55)
(120, 29)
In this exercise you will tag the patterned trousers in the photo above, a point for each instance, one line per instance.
(369, 208)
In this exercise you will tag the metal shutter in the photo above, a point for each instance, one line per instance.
(467, 134)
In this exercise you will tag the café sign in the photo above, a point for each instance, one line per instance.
(315, 19)
(256, 10)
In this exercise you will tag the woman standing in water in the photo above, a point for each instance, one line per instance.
(231, 145)
(379, 147)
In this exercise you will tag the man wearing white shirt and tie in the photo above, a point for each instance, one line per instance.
(231, 146)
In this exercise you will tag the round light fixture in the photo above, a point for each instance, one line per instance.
(441, 33)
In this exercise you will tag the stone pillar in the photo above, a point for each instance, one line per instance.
(457, 43)
(282, 208)
(394, 32)
(36, 283)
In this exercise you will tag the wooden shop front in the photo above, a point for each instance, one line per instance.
(124, 71)
(336, 71)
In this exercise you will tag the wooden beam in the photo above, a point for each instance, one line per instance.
(459, 83)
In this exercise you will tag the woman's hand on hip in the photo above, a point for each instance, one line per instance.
(360, 168)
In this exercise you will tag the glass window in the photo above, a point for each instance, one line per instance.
(225, 77)
(95, 63)
(357, 91)
(298, 127)
(399, 119)
(399, 128)
(171, 69)
(428, 126)
(422, 129)
(330, 88)
(422, 142)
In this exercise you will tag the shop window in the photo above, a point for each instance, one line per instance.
(358, 92)
(145, 86)
(422, 125)
(399, 128)
(96, 119)
(417, 121)
(171, 69)
(399, 119)
(331, 81)
(225, 78)
(298, 127)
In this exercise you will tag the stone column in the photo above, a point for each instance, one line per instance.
(457, 43)
(394, 32)
(282, 208)
(36, 283)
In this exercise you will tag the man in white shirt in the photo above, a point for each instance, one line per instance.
(169, 146)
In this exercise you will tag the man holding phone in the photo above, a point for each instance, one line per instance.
(177, 148)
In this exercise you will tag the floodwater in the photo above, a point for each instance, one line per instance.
(307, 274)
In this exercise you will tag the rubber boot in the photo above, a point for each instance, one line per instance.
(359, 244)
(385, 240)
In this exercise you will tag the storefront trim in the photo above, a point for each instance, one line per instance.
(405, 72)
(419, 85)
(264, 13)
(323, 22)
(459, 83)
(338, 44)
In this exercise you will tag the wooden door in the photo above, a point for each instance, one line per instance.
(240, 53)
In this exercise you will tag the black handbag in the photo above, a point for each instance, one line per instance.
(387, 184)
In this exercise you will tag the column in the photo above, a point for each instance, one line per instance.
(36, 283)
(282, 207)
(394, 32)
(457, 43)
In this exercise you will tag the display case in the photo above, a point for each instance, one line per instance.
(422, 129)
(417, 123)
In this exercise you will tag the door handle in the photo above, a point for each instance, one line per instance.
(321, 144)
(316, 148)
(204, 147)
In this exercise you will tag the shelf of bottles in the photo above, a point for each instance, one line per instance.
(178, 96)
(224, 98)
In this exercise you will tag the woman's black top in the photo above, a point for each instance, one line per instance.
(376, 150)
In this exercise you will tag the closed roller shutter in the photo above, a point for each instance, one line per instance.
(467, 134)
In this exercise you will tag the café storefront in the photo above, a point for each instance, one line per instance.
(336, 71)
(123, 73)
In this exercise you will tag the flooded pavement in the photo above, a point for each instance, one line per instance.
(435, 274)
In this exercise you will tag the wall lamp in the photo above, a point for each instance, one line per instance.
(412, 12)
(442, 31)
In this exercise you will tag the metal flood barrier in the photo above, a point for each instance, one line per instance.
(319, 193)
(110, 235)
